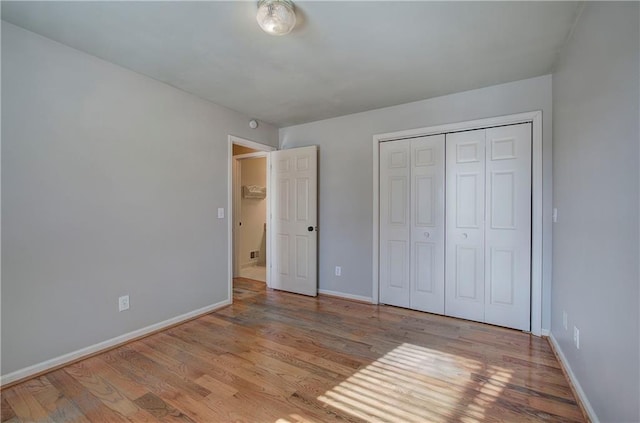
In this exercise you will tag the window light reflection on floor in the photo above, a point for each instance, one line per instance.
(417, 384)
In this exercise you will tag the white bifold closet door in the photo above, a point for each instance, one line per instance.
(412, 223)
(488, 246)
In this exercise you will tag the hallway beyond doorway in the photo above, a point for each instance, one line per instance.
(257, 273)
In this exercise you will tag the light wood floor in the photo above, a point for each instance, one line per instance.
(278, 357)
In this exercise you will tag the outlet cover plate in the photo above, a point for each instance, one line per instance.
(123, 303)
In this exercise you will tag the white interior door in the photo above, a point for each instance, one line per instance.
(508, 226)
(294, 208)
(465, 225)
(412, 223)
(395, 191)
(427, 224)
(478, 265)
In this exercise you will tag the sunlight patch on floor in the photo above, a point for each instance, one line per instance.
(417, 384)
(295, 418)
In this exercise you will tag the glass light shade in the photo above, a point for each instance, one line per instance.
(276, 17)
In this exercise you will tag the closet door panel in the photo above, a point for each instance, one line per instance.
(427, 224)
(395, 183)
(465, 204)
(508, 227)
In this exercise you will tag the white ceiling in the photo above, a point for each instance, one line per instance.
(343, 57)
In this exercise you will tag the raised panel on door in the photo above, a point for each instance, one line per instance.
(508, 227)
(468, 259)
(465, 193)
(282, 263)
(395, 175)
(293, 212)
(427, 224)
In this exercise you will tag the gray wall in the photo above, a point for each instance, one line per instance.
(346, 172)
(595, 245)
(110, 184)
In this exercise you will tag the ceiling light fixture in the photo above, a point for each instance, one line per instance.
(276, 17)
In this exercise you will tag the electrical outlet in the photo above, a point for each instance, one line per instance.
(555, 215)
(565, 320)
(338, 270)
(576, 337)
(252, 254)
(123, 303)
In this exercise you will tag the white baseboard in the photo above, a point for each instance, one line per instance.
(105, 345)
(544, 332)
(582, 396)
(346, 296)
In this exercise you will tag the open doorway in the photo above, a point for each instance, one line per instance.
(248, 250)
(250, 214)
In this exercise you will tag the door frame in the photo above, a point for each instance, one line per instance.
(535, 118)
(263, 150)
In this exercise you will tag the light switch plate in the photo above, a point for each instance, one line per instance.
(220, 213)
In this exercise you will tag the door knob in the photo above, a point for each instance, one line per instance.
(465, 236)
(310, 228)
(427, 234)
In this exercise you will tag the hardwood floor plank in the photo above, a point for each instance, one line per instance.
(25, 406)
(215, 367)
(151, 367)
(131, 388)
(178, 367)
(217, 388)
(6, 412)
(177, 399)
(304, 360)
(279, 357)
(90, 406)
(102, 389)
(58, 407)
(160, 410)
(320, 410)
(249, 406)
(149, 381)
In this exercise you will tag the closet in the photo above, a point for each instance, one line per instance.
(455, 224)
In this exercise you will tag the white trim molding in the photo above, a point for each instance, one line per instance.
(535, 118)
(582, 397)
(345, 296)
(106, 345)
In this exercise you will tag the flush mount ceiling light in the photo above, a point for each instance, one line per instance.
(276, 17)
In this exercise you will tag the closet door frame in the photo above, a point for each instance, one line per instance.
(535, 118)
